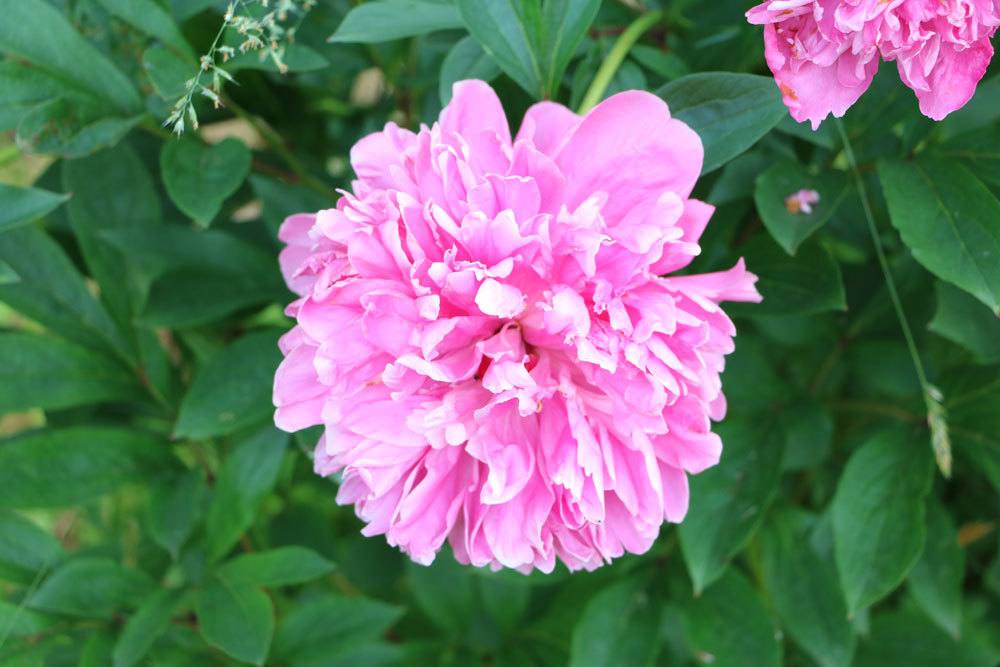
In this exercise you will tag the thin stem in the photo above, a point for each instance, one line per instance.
(616, 57)
(932, 396)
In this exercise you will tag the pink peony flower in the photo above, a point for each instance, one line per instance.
(824, 53)
(484, 333)
(801, 201)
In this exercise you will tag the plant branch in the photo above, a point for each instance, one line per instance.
(616, 57)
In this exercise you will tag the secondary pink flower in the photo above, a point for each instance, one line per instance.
(824, 53)
(484, 333)
(801, 201)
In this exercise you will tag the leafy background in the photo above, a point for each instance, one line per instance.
(151, 515)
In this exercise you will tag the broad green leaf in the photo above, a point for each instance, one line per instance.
(38, 32)
(16, 621)
(248, 474)
(24, 87)
(48, 373)
(175, 508)
(386, 20)
(51, 291)
(167, 71)
(936, 580)
(963, 320)
(25, 549)
(504, 599)
(729, 500)
(730, 112)
(978, 150)
(238, 620)
(283, 566)
(185, 9)
(112, 190)
(803, 588)
(200, 178)
(808, 431)
(465, 60)
(281, 200)
(788, 226)
(149, 17)
(68, 466)
(444, 591)
(619, 626)
(71, 128)
(91, 588)
(878, 516)
(7, 274)
(233, 389)
(144, 627)
(191, 297)
(19, 206)
(728, 624)
(295, 58)
(806, 284)
(908, 638)
(531, 40)
(333, 629)
(949, 220)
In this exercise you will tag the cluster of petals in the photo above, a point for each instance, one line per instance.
(485, 332)
(824, 53)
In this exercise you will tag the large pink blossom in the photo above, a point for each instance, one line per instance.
(484, 332)
(824, 53)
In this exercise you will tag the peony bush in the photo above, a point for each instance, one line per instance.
(455, 332)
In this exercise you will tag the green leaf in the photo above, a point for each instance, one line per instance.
(728, 625)
(283, 566)
(38, 32)
(19, 206)
(200, 178)
(175, 508)
(233, 389)
(950, 221)
(386, 20)
(112, 190)
(465, 60)
(333, 629)
(68, 466)
(47, 373)
(248, 474)
(963, 320)
(281, 200)
(791, 228)
(25, 549)
(91, 588)
(504, 599)
(7, 274)
(978, 150)
(908, 638)
(167, 72)
(152, 19)
(24, 87)
(803, 588)
(808, 283)
(16, 621)
(531, 40)
(619, 626)
(444, 591)
(730, 112)
(238, 620)
(191, 297)
(51, 291)
(936, 579)
(729, 500)
(148, 623)
(878, 516)
(71, 128)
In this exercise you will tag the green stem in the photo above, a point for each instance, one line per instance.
(932, 396)
(616, 57)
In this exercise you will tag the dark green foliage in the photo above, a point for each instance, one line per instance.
(150, 514)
